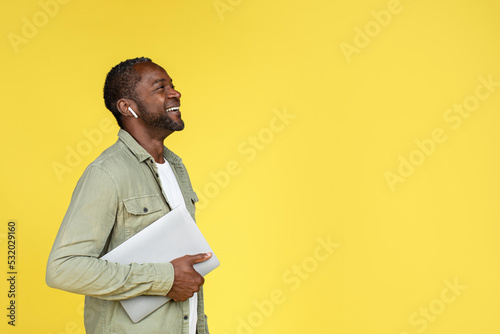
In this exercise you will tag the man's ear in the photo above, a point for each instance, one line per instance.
(123, 104)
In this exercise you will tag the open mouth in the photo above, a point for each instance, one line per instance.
(172, 109)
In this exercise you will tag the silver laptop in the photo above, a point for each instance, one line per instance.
(172, 236)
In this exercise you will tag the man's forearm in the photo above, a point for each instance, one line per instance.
(102, 279)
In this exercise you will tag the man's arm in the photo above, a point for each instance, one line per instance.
(74, 263)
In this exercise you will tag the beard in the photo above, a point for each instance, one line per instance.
(162, 120)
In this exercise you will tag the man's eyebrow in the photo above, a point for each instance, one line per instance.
(157, 81)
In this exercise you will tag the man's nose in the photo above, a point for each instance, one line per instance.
(173, 93)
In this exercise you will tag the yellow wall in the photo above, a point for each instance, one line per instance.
(346, 154)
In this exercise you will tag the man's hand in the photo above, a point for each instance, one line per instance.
(187, 281)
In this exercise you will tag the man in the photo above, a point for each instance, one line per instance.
(129, 186)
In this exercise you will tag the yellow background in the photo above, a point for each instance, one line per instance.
(322, 175)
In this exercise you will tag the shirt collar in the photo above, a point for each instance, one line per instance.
(140, 153)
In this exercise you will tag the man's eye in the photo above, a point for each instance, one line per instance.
(160, 87)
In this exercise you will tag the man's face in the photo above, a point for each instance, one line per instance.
(157, 101)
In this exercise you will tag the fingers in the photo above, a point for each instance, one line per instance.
(182, 295)
(199, 257)
(186, 279)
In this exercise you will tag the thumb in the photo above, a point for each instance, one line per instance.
(200, 257)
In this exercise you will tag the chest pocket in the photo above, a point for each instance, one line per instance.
(141, 211)
(193, 199)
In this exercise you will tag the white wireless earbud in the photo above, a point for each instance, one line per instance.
(133, 113)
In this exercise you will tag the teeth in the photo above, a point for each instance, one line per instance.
(172, 109)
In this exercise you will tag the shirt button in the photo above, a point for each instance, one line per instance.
(145, 209)
(185, 317)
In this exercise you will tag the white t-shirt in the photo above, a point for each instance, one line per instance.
(174, 197)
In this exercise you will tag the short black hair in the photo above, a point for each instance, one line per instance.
(120, 83)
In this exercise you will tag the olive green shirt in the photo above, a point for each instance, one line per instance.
(118, 195)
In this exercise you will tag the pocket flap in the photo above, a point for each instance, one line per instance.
(194, 197)
(142, 205)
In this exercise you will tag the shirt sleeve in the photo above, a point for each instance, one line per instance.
(74, 263)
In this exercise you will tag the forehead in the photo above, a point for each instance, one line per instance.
(150, 73)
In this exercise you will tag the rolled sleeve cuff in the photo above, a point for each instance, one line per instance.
(164, 278)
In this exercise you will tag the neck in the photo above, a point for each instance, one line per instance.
(151, 141)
